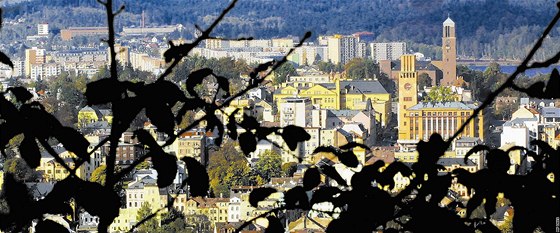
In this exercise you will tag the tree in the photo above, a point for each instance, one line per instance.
(440, 94)
(227, 167)
(361, 68)
(98, 175)
(19, 169)
(288, 169)
(328, 67)
(269, 165)
(424, 80)
(281, 74)
(150, 225)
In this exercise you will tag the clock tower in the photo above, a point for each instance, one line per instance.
(449, 53)
(408, 92)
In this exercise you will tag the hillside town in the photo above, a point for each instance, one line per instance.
(329, 91)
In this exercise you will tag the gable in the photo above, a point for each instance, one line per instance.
(318, 90)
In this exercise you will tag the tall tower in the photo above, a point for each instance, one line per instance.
(408, 92)
(449, 53)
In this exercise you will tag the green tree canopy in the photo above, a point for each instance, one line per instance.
(150, 225)
(98, 175)
(440, 94)
(288, 169)
(282, 73)
(360, 68)
(424, 80)
(228, 167)
(269, 165)
(19, 169)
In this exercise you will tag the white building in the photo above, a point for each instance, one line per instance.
(387, 51)
(342, 49)
(295, 111)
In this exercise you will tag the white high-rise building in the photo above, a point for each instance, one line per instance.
(295, 111)
(342, 49)
(387, 51)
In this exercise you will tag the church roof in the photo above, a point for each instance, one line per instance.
(449, 22)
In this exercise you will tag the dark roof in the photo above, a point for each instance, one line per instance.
(362, 87)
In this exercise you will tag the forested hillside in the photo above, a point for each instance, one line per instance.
(486, 28)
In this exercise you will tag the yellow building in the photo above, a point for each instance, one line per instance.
(88, 115)
(216, 209)
(339, 94)
(51, 170)
(143, 189)
(418, 121)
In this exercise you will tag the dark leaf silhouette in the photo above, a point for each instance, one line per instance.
(30, 152)
(263, 132)
(331, 172)
(260, 68)
(346, 157)
(324, 194)
(164, 91)
(104, 91)
(387, 176)
(247, 142)
(40, 123)
(22, 94)
(232, 125)
(161, 116)
(73, 141)
(259, 194)
(475, 149)
(296, 197)
(352, 145)
(274, 225)
(197, 177)
(215, 123)
(146, 138)
(311, 178)
(189, 104)
(293, 135)
(223, 83)
(195, 78)
(49, 226)
(249, 122)
(8, 111)
(56, 202)
(124, 112)
(542, 91)
(17, 195)
(498, 161)
(7, 132)
(6, 60)
(166, 166)
(107, 210)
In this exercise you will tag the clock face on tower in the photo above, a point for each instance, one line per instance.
(447, 43)
(407, 86)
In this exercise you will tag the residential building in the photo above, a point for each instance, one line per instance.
(33, 56)
(387, 51)
(295, 111)
(342, 49)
